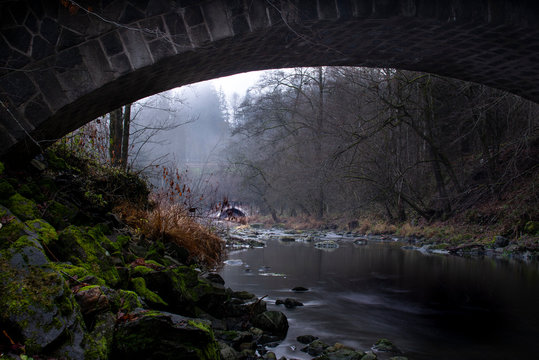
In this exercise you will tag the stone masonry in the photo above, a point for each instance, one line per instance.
(63, 63)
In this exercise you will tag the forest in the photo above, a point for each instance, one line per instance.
(404, 145)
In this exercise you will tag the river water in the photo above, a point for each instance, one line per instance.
(430, 306)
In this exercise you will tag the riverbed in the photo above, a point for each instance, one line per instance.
(432, 306)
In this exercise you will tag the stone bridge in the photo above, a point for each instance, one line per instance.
(63, 63)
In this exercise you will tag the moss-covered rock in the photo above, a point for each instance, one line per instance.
(6, 190)
(139, 285)
(274, 322)
(24, 208)
(77, 246)
(34, 298)
(77, 274)
(12, 228)
(98, 343)
(161, 335)
(43, 229)
(126, 301)
(60, 215)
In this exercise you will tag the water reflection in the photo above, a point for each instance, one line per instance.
(432, 307)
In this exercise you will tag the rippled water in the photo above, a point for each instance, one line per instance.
(430, 306)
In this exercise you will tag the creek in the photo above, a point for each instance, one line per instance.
(431, 306)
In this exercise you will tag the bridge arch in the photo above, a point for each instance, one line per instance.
(63, 63)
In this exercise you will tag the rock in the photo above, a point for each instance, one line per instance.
(227, 352)
(84, 248)
(369, 356)
(300, 289)
(274, 322)
(289, 303)
(161, 335)
(386, 345)
(92, 300)
(315, 348)
(306, 339)
(215, 278)
(342, 353)
(24, 208)
(501, 241)
(328, 244)
(98, 343)
(360, 241)
(35, 299)
(398, 358)
(287, 239)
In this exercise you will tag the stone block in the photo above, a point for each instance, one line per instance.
(111, 43)
(68, 39)
(36, 111)
(257, 15)
(18, 37)
(240, 25)
(96, 62)
(136, 48)
(50, 30)
(17, 87)
(199, 35)
(193, 15)
(49, 87)
(328, 10)
(217, 20)
(120, 64)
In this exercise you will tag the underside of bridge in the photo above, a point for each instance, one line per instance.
(64, 63)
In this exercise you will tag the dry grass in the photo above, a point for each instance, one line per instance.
(174, 224)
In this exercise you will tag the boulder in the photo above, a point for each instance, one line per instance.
(386, 345)
(315, 348)
(274, 322)
(161, 335)
(306, 339)
(289, 303)
(35, 299)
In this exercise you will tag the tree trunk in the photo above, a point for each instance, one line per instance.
(125, 135)
(115, 136)
(318, 146)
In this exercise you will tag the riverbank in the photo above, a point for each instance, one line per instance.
(507, 223)
(91, 268)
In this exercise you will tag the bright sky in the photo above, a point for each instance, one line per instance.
(238, 83)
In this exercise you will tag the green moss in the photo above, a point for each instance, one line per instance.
(97, 234)
(97, 348)
(2, 168)
(45, 231)
(25, 191)
(122, 240)
(127, 301)
(77, 246)
(55, 162)
(6, 189)
(140, 288)
(30, 292)
(141, 270)
(10, 232)
(80, 273)
(24, 208)
(59, 215)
